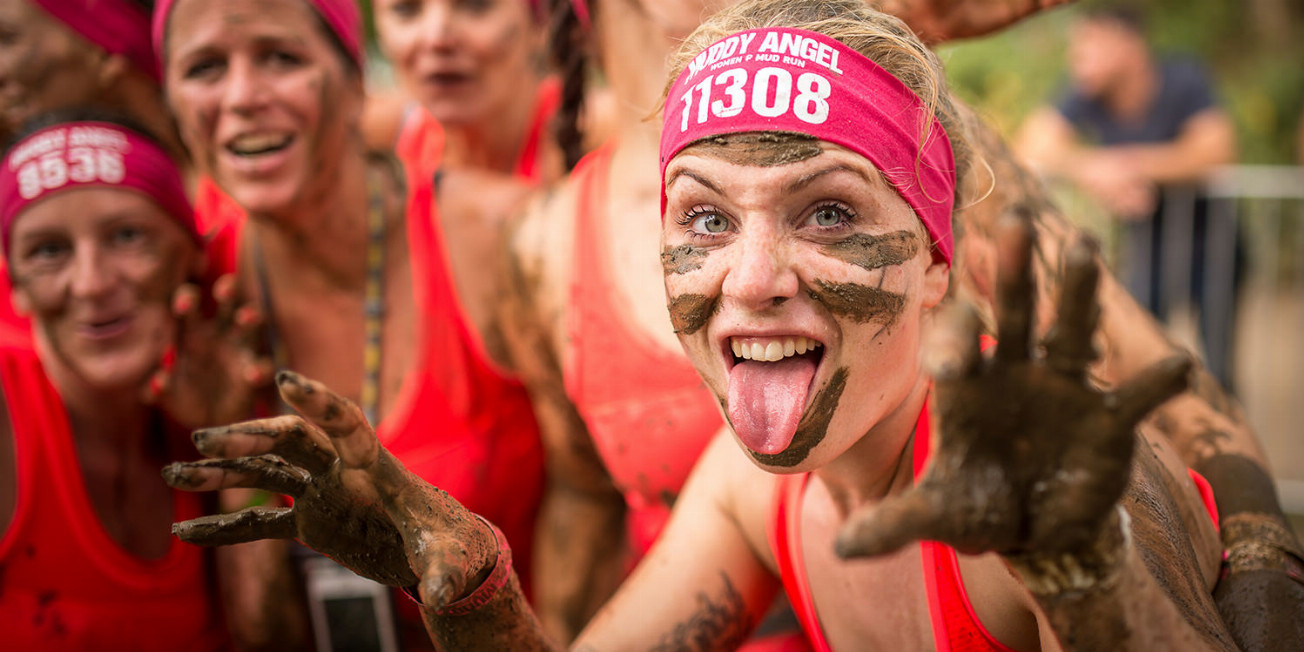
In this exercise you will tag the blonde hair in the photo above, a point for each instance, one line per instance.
(881, 38)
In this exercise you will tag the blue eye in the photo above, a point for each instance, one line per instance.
(830, 215)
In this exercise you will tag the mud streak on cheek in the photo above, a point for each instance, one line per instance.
(689, 312)
(682, 259)
(875, 251)
(860, 303)
(812, 428)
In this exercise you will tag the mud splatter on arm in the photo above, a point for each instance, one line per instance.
(720, 623)
(580, 550)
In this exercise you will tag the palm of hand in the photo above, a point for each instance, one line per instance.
(1029, 457)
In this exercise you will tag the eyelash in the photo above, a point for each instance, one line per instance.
(691, 215)
(848, 213)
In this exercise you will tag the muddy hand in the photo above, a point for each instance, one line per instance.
(942, 20)
(1029, 456)
(217, 372)
(353, 501)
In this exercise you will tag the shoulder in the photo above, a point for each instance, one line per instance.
(540, 245)
(740, 490)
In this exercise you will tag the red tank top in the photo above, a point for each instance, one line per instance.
(956, 627)
(421, 137)
(66, 584)
(458, 422)
(646, 408)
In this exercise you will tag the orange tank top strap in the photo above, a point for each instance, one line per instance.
(529, 164)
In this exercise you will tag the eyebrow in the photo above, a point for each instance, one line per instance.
(695, 177)
(807, 179)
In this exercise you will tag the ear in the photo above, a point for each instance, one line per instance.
(937, 279)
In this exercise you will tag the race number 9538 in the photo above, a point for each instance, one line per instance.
(78, 165)
(770, 94)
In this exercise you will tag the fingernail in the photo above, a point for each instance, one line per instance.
(287, 377)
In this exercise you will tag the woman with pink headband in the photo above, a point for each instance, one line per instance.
(98, 233)
(590, 318)
(342, 250)
(483, 100)
(811, 159)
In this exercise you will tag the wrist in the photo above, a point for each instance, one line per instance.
(498, 576)
(1093, 569)
(1260, 542)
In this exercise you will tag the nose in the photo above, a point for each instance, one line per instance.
(91, 277)
(244, 92)
(436, 28)
(761, 276)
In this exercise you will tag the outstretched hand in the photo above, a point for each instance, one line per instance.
(353, 501)
(1028, 457)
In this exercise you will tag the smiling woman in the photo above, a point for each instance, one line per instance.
(98, 234)
(345, 251)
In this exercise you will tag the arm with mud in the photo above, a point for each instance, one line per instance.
(1031, 461)
(579, 555)
(1263, 588)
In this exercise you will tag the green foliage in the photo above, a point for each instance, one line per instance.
(1252, 48)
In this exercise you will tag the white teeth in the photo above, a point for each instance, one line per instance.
(772, 350)
(258, 143)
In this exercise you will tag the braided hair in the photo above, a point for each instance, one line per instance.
(568, 46)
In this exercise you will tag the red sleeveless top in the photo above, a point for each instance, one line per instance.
(646, 408)
(421, 137)
(956, 627)
(67, 585)
(458, 422)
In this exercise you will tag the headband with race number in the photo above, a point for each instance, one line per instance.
(75, 155)
(792, 80)
(117, 26)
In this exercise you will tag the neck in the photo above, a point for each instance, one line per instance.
(494, 144)
(105, 421)
(882, 462)
(324, 236)
(1135, 90)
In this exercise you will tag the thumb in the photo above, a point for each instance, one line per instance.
(890, 525)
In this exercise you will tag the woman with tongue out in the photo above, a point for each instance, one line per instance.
(813, 207)
(342, 249)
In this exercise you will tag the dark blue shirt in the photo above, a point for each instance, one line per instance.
(1184, 90)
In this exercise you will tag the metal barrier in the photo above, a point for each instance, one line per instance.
(1264, 325)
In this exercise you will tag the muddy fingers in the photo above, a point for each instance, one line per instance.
(1015, 293)
(342, 420)
(243, 526)
(287, 436)
(1154, 385)
(1069, 346)
(886, 527)
(263, 472)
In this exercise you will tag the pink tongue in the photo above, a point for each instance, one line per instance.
(766, 401)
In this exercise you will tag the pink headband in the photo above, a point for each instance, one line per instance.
(117, 26)
(581, 8)
(342, 16)
(782, 79)
(89, 154)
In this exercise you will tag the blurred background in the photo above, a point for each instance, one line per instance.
(1254, 51)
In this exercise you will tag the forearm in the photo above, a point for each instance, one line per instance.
(579, 556)
(1105, 598)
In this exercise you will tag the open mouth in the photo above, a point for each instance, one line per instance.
(448, 79)
(770, 379)
(259, 144)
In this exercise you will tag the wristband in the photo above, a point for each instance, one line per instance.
(497, 579)
(1260, 542)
